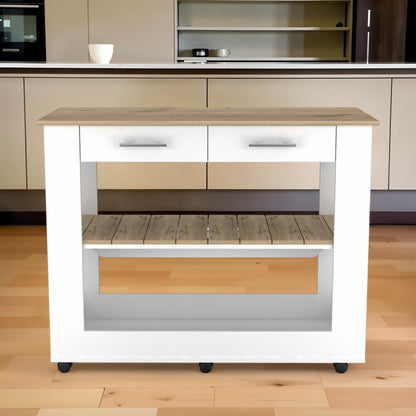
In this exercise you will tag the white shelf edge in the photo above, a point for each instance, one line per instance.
(207, 247)
(202, 325)
(190, 59)
(206, 251)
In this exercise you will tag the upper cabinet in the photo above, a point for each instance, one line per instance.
(66, 26)
(265, 30)
(141, 30)
(380, 30)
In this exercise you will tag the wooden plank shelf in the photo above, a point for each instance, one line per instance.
(208, 229)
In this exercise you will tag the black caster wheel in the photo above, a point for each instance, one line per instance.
(205, 367)
(340, 367)
(64, 367)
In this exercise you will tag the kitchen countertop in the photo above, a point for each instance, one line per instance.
(90, 116)
(223, 65)
(210, 69)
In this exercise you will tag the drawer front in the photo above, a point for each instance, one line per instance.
(271, 144)
(143, 144)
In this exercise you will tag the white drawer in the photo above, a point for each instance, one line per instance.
(143, 144)
(271, 144)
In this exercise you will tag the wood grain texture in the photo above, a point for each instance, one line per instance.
(160, 116)
(314, 229)
(86, 220)
(329, 219)
(166, 375)
(24, 341)
(253, 229)
(98, 412)
(205, 275)
(162, 229)
(405, 412)
(192, 229)
(132, 229)
(272, 395)
(284, 229)
(27, 371)
(171, 396)
(332, 412)
(101, 229)
(47, 397)
(362, 378)
(24, 352)
(216, 411)
(223, 229)
(18, 412)
(371, 398)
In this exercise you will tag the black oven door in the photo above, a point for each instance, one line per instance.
(22, 31)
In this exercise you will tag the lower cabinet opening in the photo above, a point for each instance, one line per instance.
(208, 275)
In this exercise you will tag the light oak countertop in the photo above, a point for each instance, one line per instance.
(106, 116)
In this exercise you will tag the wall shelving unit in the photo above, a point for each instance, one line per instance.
(265, 30)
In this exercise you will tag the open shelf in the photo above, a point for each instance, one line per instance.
(285, 231)
(273, 30)
(189, 59)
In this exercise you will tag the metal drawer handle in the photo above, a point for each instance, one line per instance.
(272, 145)
(20, 6)
(143, 145)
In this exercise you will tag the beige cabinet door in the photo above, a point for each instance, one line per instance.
(66, 27)
(141, 30)
(44, 95)
(371, 95)
(12, 134)
(403, 135)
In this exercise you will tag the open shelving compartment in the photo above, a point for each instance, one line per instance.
(207, 236)
(265, 30)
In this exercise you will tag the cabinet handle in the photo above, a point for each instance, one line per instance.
(143, 145)
(272, 145)
(368, 36)
(20, 6)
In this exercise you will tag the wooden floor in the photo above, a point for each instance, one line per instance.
(384, 386)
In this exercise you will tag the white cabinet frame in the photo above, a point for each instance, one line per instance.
(87, 326)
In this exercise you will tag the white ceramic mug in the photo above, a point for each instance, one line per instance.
(101, 53)
(223, 53)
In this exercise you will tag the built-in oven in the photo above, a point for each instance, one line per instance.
(22, 30)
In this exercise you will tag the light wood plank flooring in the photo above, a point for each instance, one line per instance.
(384, 386)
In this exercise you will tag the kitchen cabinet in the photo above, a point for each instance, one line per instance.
(44, 95)
(66, 26)
(141, 30)
(371, 95)
(322, 327)
(12, 134)
(403, 136)
(380, 30)
(273, 30)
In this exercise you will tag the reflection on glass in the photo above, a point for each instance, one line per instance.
(18, 28)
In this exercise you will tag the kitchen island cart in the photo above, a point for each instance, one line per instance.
(324, 327)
